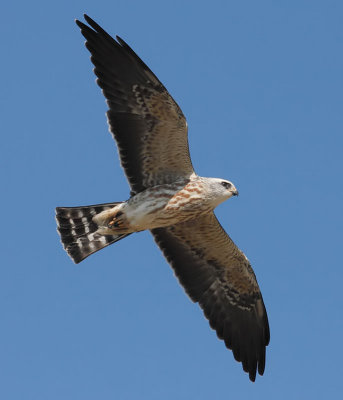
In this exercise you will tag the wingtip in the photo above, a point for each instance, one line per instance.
(252, 376)
(262, 362)
(79, 23)
(88, 19)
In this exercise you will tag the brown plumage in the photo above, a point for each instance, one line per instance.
(168, 198)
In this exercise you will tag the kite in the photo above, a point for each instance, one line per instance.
(169, 199)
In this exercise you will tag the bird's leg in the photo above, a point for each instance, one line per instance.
(110, 221)
(117, 221)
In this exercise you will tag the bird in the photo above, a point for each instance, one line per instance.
(169, 199)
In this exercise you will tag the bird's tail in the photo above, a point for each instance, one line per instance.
(78, 230)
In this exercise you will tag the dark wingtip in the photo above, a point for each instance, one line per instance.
(88, 19)
(262, 361)
(252, 375)
(79, 23)
(94, 25)
(87, 31)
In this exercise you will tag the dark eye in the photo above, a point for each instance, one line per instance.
(226, 185)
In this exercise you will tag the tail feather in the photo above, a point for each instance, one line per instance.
(78, 231)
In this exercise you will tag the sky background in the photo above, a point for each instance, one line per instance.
(260, 83)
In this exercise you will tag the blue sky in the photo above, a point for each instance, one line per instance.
(261, 86)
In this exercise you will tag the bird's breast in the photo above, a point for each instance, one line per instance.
(166, 205)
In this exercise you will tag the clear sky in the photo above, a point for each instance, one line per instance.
(260, 83)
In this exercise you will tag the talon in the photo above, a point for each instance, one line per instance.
(115, 224)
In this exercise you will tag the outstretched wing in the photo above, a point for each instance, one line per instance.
(148, 125)
(217, 275)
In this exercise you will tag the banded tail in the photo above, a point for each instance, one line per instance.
(78, 231)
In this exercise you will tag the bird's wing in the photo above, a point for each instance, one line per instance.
(217, 275)
(147, 124)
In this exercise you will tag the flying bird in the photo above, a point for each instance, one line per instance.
(169, 199)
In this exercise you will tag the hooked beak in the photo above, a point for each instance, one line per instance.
(235, 193)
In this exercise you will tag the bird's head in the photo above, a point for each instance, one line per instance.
(227, 188)
(221, 190)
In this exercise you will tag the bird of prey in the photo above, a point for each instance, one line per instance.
(169, 199)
